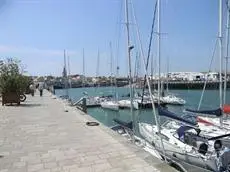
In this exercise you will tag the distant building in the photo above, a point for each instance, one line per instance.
(188, 76)
(76, 77)
(212, 76)
(95, 80)
(195, 76)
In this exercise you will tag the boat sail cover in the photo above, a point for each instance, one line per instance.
(123, 123)
(164, 112)
(181, 131)
(215, 112)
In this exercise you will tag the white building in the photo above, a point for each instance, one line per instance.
(188, 76)
(212, 76)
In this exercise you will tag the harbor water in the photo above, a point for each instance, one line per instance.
(105, 116)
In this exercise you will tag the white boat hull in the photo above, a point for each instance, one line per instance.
(176, 149)
(127, 104)
(110, 105)
(171, 99)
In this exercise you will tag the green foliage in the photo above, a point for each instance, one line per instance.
(11, 77)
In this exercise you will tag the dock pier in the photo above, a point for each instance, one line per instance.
(40, 136)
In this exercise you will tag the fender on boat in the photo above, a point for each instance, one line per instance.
(226, 109)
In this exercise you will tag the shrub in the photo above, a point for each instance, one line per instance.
(11, 77)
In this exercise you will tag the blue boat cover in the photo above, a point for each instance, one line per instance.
(164, 112)
(123, 123)
(181, 131)
(215, 112)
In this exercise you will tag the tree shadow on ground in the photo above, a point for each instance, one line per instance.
(24, 105)
(30, 105)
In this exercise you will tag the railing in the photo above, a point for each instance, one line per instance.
(81, 104)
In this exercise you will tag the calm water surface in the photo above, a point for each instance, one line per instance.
(192, 97)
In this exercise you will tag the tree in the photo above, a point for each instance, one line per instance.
(11, 77)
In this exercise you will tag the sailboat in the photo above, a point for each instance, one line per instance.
(130, 126)
(173, 100)
(179, 139)
(183, 143)
(94, 101)
(126, 103)
(110, 104)
(170, 98)
(226, 107)
(65, 80)
(217, 117)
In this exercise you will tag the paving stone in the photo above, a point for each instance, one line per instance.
(46, 160)
(82, 169)
(19, 164)
(91, 158)
(45, 170)
(101, 167)
(86, 164)
(4, 170)
(100, 161)
(37, 167)
(50, 165)
(115, 170)
(40, 136)
(70, 167)
(57, 169)
(66, 162)
(103, 156)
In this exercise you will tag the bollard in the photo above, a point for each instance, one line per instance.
(84, 107)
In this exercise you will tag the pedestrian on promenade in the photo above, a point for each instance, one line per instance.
(40, 88)
(32, 89)
(52, 89)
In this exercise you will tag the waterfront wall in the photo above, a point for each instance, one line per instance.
(191, 85)
(171, 85)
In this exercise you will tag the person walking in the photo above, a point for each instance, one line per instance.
(32, 89)
(40, 88)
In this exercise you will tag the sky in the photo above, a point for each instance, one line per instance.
(38, 31)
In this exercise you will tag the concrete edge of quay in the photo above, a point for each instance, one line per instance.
(139, 152)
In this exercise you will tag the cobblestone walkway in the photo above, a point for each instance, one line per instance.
(39, 136)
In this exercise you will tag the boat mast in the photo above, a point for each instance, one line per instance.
(83, 61)
(227, 46)
(136, 70)
(147, 79)
(151, 69)
(159, 50)
(111, 65)
(221, 54)
(116, 83)
(129, 48)
(97, 71)
(65, 76)
(167, 76)
(69, 78)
